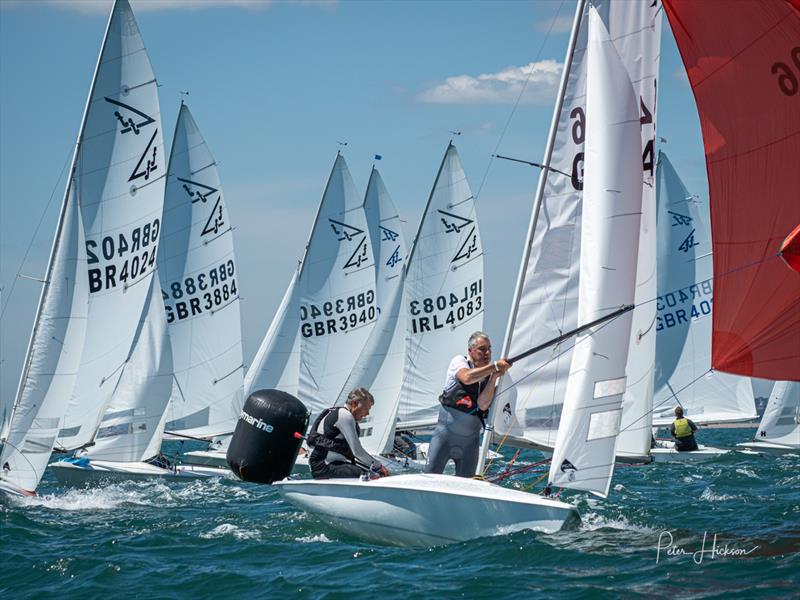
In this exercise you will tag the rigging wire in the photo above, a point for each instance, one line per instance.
(35, 233)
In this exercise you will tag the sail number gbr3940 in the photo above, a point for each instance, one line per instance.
(337, 315)
(209, 290)
(448, 309)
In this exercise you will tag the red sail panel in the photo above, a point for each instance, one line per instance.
(790, 248)
(743, 62)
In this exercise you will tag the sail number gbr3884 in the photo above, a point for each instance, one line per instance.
(209, 290)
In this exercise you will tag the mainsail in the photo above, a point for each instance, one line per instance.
(546, 301)
(443, 296)
(101, 263)
(684, 303)
(745, 74)
(118, 178)
(781, 421)
(330, 307)
(583, 457)
(199, 283)
(379, 367)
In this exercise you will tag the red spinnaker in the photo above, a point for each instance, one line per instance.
(790, 249)
(743, 61)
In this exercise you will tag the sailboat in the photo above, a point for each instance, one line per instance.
(330, 306)
(201, 297)
(435, 301)
(531, 396)
(99, 274)
(188, 379)
(127, 444)
(779, 430)
(683, 340)
(435, 509)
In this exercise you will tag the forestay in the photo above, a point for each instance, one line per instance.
(200, 288)
(684, 305)
(781, 421)
(745, 74)
(379, 367)
(545, 305)
(133, 424)
(443, 296)
(118, 179)
(583, 457)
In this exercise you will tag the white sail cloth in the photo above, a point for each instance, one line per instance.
(200, 280)
(133, 425)
(443, 296)
(330, 307)
(118, 177)
(531, 395)
(684, 305)
(379, 367)
(53, 358)
(781, 421)
(583, 457)
(101, 264)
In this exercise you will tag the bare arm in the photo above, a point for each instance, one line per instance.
(476, 374)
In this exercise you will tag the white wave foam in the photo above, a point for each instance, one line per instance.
(709, 496)
(313, 539)
(747, 472)
(592, 521)
(228, 529)
(87, 499)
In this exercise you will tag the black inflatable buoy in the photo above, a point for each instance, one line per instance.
(267, 437)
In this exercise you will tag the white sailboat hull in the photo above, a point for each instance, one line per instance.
(769, 447)
(425, 509)
(666, 452)
(102, 472)
(216, 459)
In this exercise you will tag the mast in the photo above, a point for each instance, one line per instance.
(551, 138)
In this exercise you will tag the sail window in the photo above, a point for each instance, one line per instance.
(609, 387)
(604, 425)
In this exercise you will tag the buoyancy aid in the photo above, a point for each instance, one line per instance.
(682, 428)
(331, 439)
(464, 397)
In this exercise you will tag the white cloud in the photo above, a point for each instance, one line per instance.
(535, 82)
(104, 6)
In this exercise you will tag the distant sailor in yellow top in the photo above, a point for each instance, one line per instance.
(682, 429)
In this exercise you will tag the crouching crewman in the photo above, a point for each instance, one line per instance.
(337, 451)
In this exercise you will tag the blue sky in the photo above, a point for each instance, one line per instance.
(274, 86)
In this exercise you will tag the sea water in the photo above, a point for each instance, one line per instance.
(725, 528)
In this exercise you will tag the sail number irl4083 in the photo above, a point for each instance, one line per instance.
(122, 258)
(447, 309)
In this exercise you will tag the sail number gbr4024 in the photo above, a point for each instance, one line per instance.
(447, 309)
